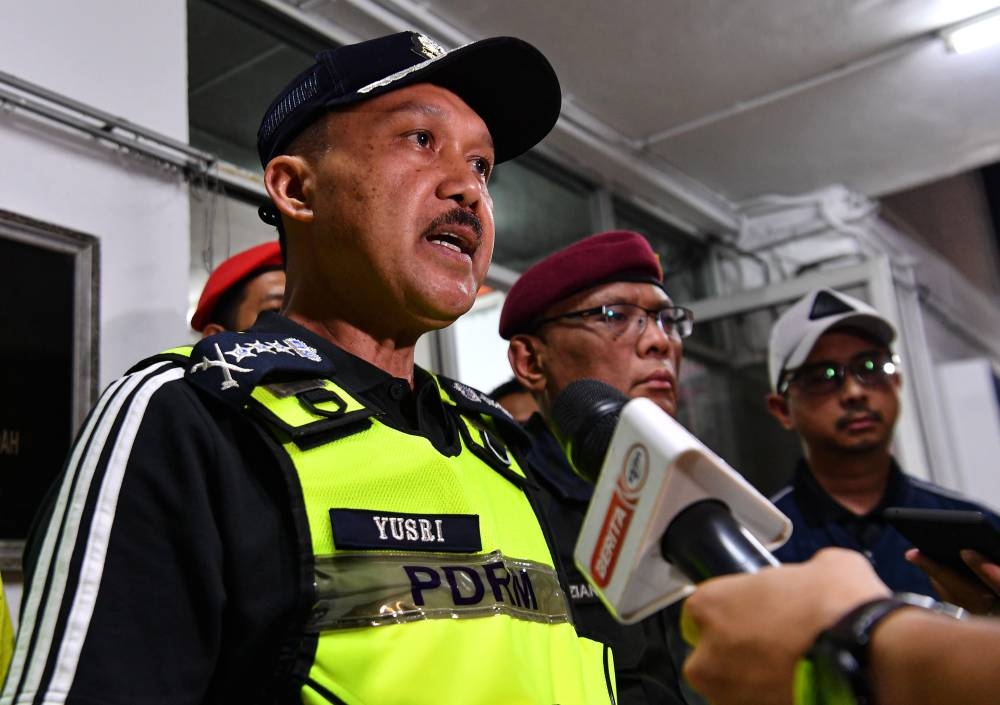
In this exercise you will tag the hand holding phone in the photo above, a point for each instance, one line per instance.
(941, 535)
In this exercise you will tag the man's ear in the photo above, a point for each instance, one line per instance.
(289, 182)
(211, 329)
(778, 406)
(527, 361)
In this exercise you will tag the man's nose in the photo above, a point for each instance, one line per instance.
(461, 182)
(852, 388)
(657, 338)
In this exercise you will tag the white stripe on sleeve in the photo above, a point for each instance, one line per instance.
(127, 399)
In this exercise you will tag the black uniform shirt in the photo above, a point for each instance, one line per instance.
(177, 564)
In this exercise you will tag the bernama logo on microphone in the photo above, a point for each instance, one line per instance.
(621, 508)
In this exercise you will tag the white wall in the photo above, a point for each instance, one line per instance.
(220, 227)
(969, 392)
(482, 353)
(129, 60)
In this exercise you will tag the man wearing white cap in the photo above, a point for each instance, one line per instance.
(835, 381)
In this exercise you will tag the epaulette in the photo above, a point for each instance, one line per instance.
(473, 401)
(229, 365)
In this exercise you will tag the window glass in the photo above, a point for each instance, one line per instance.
(684, 258)
(722, 402)
(235, 68)
(538, 210)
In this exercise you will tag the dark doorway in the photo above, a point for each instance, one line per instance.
(47, 358)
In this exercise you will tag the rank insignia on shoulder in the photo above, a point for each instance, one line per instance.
(480, 402)
(229, 365)
(472, 401)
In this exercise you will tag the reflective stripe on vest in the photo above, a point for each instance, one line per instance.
(434, 582)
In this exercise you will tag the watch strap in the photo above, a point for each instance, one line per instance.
(835, 671)
(855, 628)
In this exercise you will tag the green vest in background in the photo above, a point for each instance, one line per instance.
(6, 635)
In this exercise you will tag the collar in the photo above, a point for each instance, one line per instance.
(550, 465)
(419, 410)
(818, 507)
(357, 374)
(304, 354)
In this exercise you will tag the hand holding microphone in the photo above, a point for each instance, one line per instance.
(666, 511)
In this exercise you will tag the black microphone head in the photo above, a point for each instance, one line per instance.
(584, 416)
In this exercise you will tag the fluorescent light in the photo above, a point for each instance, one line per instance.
(976, 34)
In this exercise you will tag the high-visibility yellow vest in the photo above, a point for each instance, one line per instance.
(434, 582)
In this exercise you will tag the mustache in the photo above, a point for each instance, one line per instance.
(458, 216)
(844, 421)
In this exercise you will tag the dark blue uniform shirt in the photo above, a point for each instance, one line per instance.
(819, 522)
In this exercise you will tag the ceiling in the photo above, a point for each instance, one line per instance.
(699, 105)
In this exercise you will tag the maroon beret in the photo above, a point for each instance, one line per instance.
(618, 255)
(230, 272)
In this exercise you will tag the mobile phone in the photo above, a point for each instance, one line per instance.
(941, 533)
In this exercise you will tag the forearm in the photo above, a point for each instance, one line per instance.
(749, 630)
(920, 658)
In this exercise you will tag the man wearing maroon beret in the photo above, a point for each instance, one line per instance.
(240, 289)
(598, 310)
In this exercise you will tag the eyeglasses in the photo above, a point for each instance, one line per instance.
(628, 320)
(871, 368)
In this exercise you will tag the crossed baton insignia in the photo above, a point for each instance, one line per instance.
(227, 368)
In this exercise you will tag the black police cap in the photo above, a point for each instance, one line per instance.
(506, 81)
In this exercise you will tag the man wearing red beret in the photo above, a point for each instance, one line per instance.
(597, 310)
(240, 289)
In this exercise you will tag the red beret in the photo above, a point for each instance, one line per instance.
(619, 255)
(230, 272)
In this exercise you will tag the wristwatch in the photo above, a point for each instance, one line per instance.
(838, 660)
(835, 670)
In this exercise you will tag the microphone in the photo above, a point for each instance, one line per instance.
(666, 512)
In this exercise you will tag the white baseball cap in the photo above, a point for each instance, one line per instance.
(795, 333)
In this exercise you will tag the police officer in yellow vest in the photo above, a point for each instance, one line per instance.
(297, 513)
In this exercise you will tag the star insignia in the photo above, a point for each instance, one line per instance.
(240, 352)
(275, 346)
(259, 347)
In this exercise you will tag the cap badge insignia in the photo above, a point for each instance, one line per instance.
(427, 48)
(423, 47)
